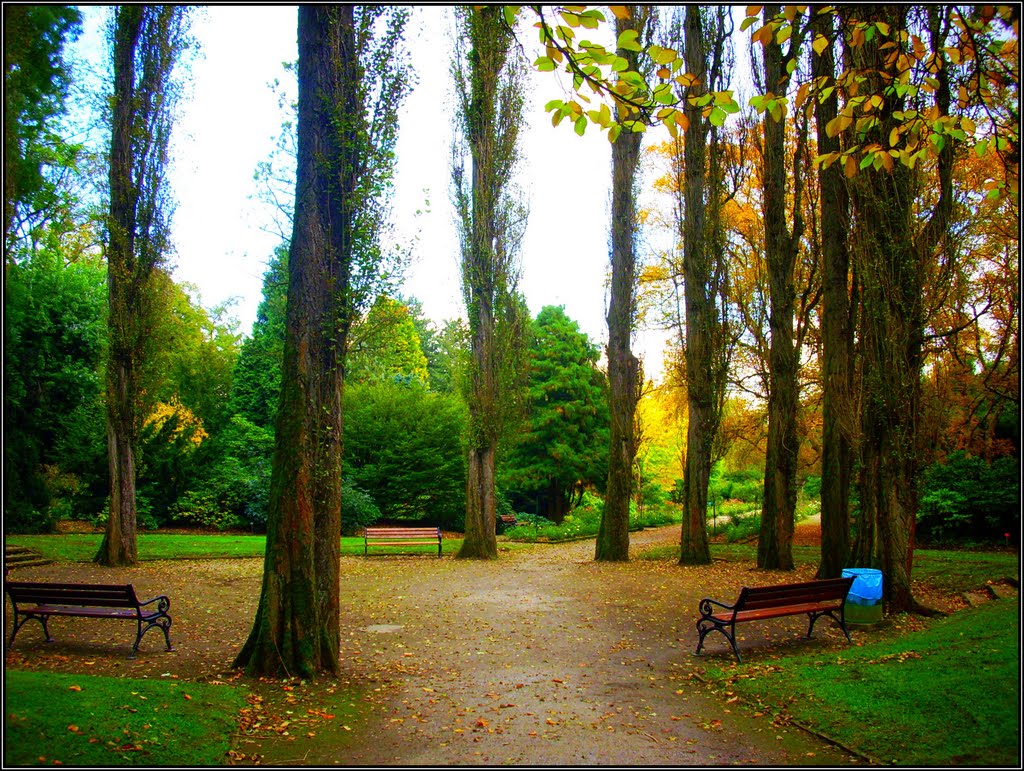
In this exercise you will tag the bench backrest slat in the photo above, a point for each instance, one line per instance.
(403, 532)
(831, 589)
(101, 595)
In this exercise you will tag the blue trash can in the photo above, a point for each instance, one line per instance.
(864, 600)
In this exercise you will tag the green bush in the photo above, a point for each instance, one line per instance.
(738, 528)
(968, 499)
(235, 468)
(202, 509)
(812, 487)
(740, 484)
(403, 446)
(358, 510)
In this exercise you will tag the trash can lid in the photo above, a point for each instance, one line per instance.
(847, 572)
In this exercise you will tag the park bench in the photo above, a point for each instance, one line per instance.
(507, 521)
(42, 600)
(401, 536)
(815, 598)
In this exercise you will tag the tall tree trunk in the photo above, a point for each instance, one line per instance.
(118, 547)
(836, 328)
(623, 367)
(700, 313)
(146, 43)
(893, 256)
(296, 629)
(775, 544)
(490, 113)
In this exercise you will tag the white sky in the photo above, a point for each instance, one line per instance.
(230, 117)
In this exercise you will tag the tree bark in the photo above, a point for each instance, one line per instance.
(700, 321)
(623, 367)
(127, 280)
(836, 329)
(491, 113)
(775, 544)
(296, 629)
(893, 256)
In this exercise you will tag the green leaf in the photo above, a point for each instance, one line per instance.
(628, 41)
(663, 94)
(717, 116)
(581, 125)
(544, 64)
(554, 104)
(748, 22)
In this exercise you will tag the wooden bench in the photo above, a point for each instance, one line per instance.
(506, 521)
(815, 598)
(42, 600)
(401, 536)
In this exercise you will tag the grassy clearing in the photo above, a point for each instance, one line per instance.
(82, 720)
(955, 571)
(946, 695)
(82, 547)
(962, 570)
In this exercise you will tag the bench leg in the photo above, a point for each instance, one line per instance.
(163, 623)
(706, 626)
(838, 619)
(25, 617)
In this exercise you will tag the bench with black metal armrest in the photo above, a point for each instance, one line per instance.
(118, 601)
(814, 598)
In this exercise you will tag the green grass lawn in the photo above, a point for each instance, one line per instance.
(948, 695)
(82, 547)
(87, 721)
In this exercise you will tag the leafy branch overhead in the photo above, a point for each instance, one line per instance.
(650, 94)
(972, 52)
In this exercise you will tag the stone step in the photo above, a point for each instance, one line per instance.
(23, 557)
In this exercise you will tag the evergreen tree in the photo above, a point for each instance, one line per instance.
(562, 446)
(256, 384)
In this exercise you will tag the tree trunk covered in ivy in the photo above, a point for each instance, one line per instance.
(490, 113)
(624, 376)
(704, 277)
(837, 323)
(775, 543)
(350, 88)
(146, 43)
(296, 627)
(894, 255)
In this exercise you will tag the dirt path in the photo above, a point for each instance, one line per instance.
(541, 658)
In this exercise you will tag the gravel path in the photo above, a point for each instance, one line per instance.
(541, 658)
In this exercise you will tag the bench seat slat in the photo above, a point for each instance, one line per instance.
(396, 542)
(788, 610)
(68, 610)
